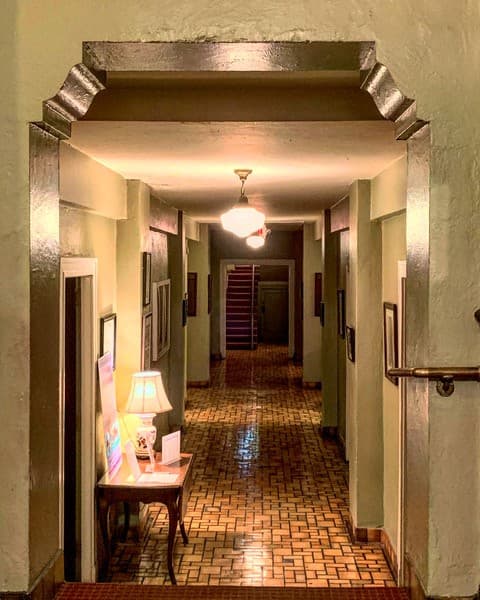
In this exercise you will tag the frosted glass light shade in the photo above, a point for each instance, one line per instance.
(242, 220)
(147, 394)
(257, 240)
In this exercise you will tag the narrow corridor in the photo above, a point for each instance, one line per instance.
(270, 497)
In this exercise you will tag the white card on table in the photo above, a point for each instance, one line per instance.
(170, 448)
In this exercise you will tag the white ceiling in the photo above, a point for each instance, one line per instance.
(299, 168)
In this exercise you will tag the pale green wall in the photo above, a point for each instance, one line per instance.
(388, 202)
(393, 250)
(364, 376)
(415, 40)
(86, 183)
(312, 330)
(330, 252)
(198, 327)
(389, 190)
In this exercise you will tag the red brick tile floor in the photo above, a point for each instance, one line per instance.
(269, 498)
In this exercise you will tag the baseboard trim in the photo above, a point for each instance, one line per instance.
(312, 385)
(46, 585)
(198, 384)
(329, 431)
(363, 534)
(390, 554)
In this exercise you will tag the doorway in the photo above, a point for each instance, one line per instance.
(289, 266)
(78, 351)
(273, 311)
(72, 455)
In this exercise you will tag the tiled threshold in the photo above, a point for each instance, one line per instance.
(107, 591)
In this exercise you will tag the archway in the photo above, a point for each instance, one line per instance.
(87, 79)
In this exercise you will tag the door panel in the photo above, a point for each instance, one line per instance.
(274, 314)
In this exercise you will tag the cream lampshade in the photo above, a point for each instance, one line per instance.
(146, 399)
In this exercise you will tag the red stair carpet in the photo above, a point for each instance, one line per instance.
(127, 591)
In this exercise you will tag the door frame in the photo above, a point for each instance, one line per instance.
(290, 263)
(402, 419)
(86, 270)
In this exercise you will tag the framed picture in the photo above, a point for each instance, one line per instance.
(192, 294)
(161, 318)
(341, 313)
(184, 310)
(322, 314)
(147, 276)
(350, 339)
(147, 342)
(108, 336)
(209, 294)
(318, 295)
(390, 339)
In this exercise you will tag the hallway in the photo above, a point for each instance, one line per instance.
(269, 498)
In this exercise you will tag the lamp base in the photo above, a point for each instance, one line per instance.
(144, 440)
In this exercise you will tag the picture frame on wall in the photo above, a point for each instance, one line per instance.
(350, 339)
(341, 313)
(317, 306)
(322, 314)
(390, 339)
(108, 336)
(192, 294)
(161, 318)
(209, 293)
(147, 328)
(147, 277)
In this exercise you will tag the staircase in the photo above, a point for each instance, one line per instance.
(242, 307)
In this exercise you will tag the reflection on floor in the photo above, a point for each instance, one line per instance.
(269, 499)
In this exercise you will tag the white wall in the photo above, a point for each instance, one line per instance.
(198, 327)
(312, 330)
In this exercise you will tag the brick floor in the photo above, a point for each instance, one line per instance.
(269, 499)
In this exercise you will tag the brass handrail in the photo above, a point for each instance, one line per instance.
(444, 376)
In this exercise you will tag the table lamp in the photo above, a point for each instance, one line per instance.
(146, 399)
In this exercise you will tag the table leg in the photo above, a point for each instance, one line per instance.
(126, 520)
(172, 529)
(183, 532)
(103, 518)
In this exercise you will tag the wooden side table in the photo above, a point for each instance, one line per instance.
(122, 488)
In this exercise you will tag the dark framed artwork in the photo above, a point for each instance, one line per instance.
(341, 313)
(192, 294)
(318, 295)
(147, 330)
(184, 310)
(161, 318)
(209, 294)
(322, 314)
(108, 336)
(147, 277)
(390, 339)
(350, 339)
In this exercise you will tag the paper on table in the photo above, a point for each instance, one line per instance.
(157, 478)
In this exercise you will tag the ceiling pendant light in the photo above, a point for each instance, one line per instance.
(257, 239)
(242, 219)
